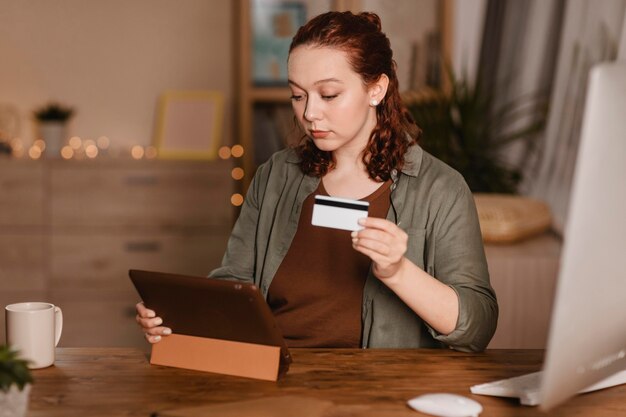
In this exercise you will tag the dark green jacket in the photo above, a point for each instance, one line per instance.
(433, 205)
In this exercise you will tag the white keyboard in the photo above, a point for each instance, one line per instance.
(526, 387)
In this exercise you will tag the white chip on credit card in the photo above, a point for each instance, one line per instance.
(338, 213)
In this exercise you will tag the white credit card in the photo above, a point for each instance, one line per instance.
(338, 213)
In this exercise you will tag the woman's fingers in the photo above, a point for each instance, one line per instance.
(154, 334)
(377, 223)
(373, 235)
(150, 324)
(143, 311)
(383, 242)
(374, 245)
(381, 236)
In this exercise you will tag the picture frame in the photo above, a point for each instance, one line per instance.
(189, 124)
(274, 23)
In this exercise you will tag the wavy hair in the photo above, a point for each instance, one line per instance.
(370, 55)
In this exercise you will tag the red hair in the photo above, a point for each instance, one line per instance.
(369, 53)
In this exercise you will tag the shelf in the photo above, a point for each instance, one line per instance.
(421, 96)
(282, 95)
(270, 94)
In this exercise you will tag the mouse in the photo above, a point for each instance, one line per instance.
(446, 405)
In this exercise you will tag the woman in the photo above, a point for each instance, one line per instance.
(416, 274)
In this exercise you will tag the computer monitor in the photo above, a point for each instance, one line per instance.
(587, 340)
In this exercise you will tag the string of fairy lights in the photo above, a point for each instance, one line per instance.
(79, 148)
(86, 149)
(236, 173)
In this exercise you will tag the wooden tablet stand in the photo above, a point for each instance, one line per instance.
(218, 356)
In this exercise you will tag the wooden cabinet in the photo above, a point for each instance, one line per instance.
(71, 230)
(134, 194)
(524, 276)
(22, 192)
(23, 260)
(22, 234)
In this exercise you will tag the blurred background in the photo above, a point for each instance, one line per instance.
(129, 131)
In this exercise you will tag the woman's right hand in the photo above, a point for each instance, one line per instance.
(151, 324)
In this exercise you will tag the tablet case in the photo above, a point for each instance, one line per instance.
(219, 326)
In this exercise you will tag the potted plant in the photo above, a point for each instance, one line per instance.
(469, 131)
(15, 383)
(52, 121)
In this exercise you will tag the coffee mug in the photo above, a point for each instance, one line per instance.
(34, 329)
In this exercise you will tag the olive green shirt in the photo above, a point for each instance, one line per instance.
(433, 205)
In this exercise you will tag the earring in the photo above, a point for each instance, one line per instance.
(374, 103)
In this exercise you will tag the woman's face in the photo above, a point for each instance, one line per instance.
(329, 99)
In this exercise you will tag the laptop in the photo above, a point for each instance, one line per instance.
(211, 308)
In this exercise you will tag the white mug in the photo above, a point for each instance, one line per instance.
(34, 329)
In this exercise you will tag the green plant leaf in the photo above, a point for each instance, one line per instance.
(13, 370)
(467, 132)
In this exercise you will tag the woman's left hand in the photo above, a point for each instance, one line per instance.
(383, 242)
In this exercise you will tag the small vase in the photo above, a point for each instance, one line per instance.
(53, 134)
(14, 403)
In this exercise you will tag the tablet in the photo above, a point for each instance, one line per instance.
(213, 308)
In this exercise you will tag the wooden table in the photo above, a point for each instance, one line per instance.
(121, 382)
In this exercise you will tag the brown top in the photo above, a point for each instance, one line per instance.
(317, 291)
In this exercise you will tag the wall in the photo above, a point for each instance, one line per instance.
(111, 60)
(407, 24)
(621, 54)
(468, 19)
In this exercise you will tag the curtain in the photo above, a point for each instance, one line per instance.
(590, 35)
(521, 40)
(621, 54)
(548, 47)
